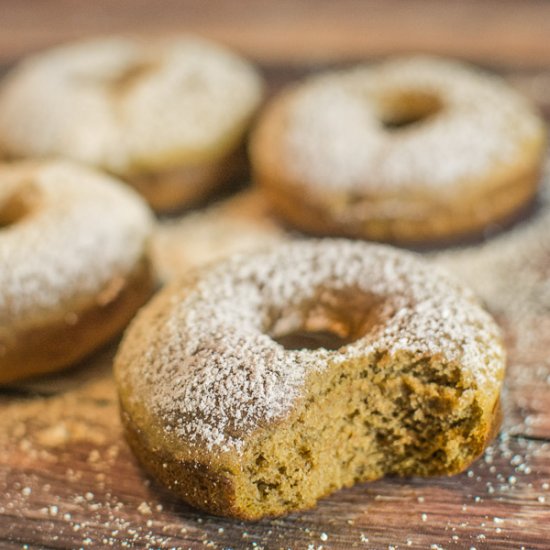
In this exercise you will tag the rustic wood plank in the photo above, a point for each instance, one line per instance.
(497, 31)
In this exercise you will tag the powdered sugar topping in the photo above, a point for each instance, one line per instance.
(129, 105)
(335, 137)
(203, 357)
(82, 229)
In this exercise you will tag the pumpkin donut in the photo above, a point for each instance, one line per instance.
(167, 116)
(412, 150)
(74, 266)
(258, 385)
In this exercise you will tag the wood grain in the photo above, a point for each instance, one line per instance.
(494, 31)
(68, 480)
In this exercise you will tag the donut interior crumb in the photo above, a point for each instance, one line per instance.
(360, 423)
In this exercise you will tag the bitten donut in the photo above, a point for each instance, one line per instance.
(412, 150)
(74, 267)
(167, 116)
(258, 385)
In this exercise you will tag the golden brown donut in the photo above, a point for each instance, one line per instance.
(74, 264)
(167, 116)
(413, 150)
(237, 224)
(258, 385)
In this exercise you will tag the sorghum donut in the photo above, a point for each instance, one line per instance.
(258, 385)
(167, 116)
(74, 265)
(238, 224)
(413, 150)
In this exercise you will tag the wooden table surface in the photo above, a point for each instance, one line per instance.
(68, 480)
(496, 31)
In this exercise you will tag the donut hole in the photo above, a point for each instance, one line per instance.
(303, 339)
(408, 108)
(334, 320)
(126, 79)
(120, 81)
(13, 209)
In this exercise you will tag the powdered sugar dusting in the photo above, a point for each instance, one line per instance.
(83, 229)
(203, 359)
(335, 137)
(185, 99)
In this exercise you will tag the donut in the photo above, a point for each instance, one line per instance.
(240, 223)
(257, 385)
(412, 150)
(74, 265)
(167, 116)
